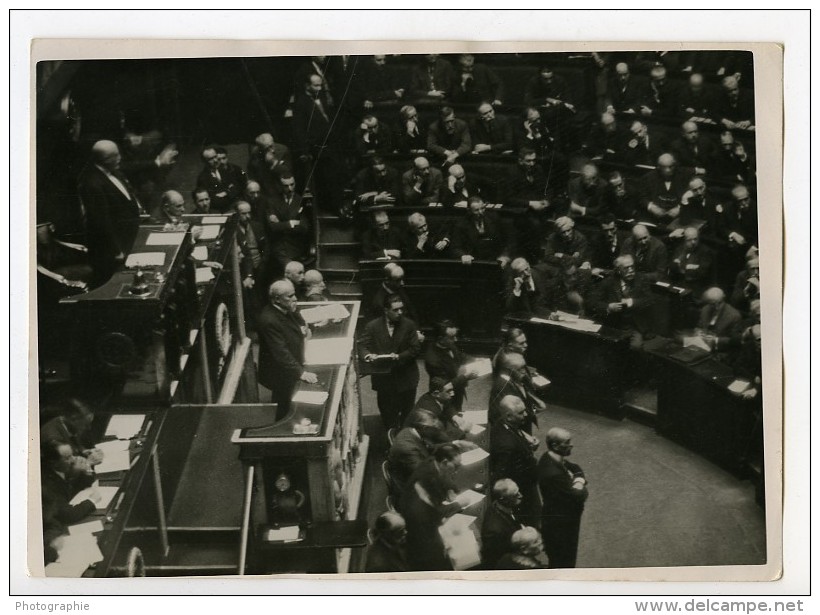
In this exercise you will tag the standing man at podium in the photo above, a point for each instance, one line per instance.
(282, 334)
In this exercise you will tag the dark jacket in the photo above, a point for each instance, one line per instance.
(498, 134)
(404, 374)
(494, 242)
(281, 347)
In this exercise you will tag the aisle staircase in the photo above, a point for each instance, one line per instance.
(337, 255)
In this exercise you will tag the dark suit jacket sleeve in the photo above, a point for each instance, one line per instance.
(556, 486)
(96, 205)
(411, 345)
(466, 142)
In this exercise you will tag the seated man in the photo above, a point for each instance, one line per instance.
(500, 522)
(735, 109)
(288, 224)
(379, 83)
(526, 289)
(481, 235)
(224, 184)
(444, 359)
(381, 240)
(746, 288)
(649, 253)
(202, 201)
(411, 137)
(717, 320)
(663, 188)
(695, 103)
(63, 476)
(315, 287)
(449, 137)
(566, 245)
(624, 301)
(638, 146)
(694, 150)
(171, 208)
(567, 289)
(660, 97)
(424, 241)
(732, 161)
(692, 263)
(585, 192)
(439, 401)
(621, 197)
(476, 82)
(377, 184)
(623, 92)
(458, 188)
(531, 132)
(61, 266)
(606, 246)
(526, 184)
(371, 139)
(433, 79)
(604, 139)
(491, 134)
(387, 551)
(421, 185)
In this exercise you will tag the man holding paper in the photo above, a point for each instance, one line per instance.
(444, 359)
(393, 339)
(63, 475)
(282, 334)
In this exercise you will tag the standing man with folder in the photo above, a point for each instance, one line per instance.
(392, 340)
(282, 334)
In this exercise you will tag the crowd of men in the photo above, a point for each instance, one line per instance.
(601, 211)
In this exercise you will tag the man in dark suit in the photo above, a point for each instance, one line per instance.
(413, 444)
(566, 246)
(563, 487)
(387, 552)
(439, 401)
(112, 211)
(393, 339)
(224, 183)
(718, 320)
(660, 97)
(606, 246)
(735, 109)
(288, 224)
(663, 188)
(692, 263)
(443, 359)
(621, 198)
(282, 334)
(63, 476)
(372, 139)
(624, 301)
(421, 185)
(481, 235)
(491, 134)
(694, 150)
(500, 522)
(393, 284)
(458, 188)
(267, 161)
(638, 146)
(624, 94)
(476, 82)
(526, 289)
(254, 267)
(514, 379)
(379, 83)
(511, 456)
(411, 137)
(604, 139)
(382, 240)
(694, 100)
(585, 192)
(377, 184)
(449, 137)
(649, 252)
(425, 240)
(433, 80)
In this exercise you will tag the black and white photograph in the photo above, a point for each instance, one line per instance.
(426, 312)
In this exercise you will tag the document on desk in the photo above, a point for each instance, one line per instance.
(462, 548)
(738, 386)
(470, 497)
(697, 342)
(112, 446)
(482, 366)
(204, 275)
(164, 239)
(145, 259)
(214, 219)
(114, 461)
(106, 495)
(78, 552)
(333, 351)
(476, 417)
(87, 528)
(125, 426)
(330, 311)
(209, 232)
(201, 253)
(473, 456)
(477, 429)
(289, 533)
(317, 398)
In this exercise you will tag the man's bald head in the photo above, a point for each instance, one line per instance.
(456, 171)
(106, 154)
(589, 172)
(264, 141)
(696, 81)
(280, 290)
(512, 410)
(690, 232)
(421, 163)
(557, 436)
(639, 231)
(740, 193)
(172, 203)
(519, 265)
(393, 272)
(607, 120)
(391, 527)
(622, 69)
(313, 277)
(564, 224)
(666, 160)
(295, 272)
(513, 361)
(714, 295)
(416, 220)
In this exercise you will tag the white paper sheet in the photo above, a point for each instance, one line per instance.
(145, 259)
(331, 311)
(334, 351)
(472, 497)
(89, 527)
(106, 495)
(310, 397)
(697, 342)
(112, 446)
(209, 232)
(476, 417)
(473, 456)
(125, 426)
(201, 253)
(214, 219)
(204, 275)
(290, 532)
(738, 386)
(115, 461)
(164, 239)
(481, 366)
(477, 429)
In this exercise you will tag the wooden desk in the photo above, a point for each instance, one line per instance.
(586, 369)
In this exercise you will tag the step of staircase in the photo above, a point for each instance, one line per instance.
(345, 290)
(641, 405)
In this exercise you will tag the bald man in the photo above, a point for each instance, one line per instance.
(267, 161)
(422, 184)
(650, 254)
(662, 189)
(639, 146)
(735, 107)
(172, 207)
(694, 149)
(660, 96)
(563, 488)
(526, 290)
(512, 456)
(458, 188)
(585, 192)
(112, 211)
(566, 246)
(295, 274)
(514, 378)
(315, 287)
(692, 264)
(624, 94)
(717, 320)
(501, 521)
(254, 266)
(282, 334)
(387, 552)
(695, 101)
